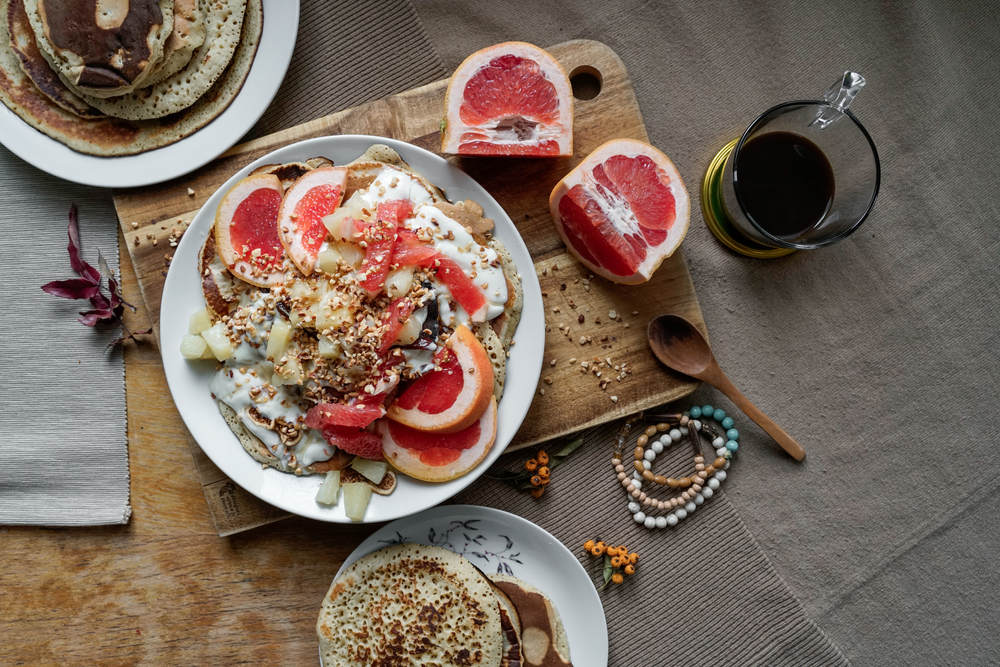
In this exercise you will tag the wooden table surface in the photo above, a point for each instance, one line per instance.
(165, 589)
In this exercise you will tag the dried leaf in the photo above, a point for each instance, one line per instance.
(81, 267)
(74, 288)
(90, 318)
(569, 447)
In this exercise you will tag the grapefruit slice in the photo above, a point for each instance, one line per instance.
(509, 99)
(355, 441)
(380, 239)
(312, 196)
(622, 211)
(439, 457)
(411, 251)
(324, 415)
(246, 231)
(454, 397)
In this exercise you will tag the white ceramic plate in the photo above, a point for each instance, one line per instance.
(277, 40)
(189, 381)
(498, 541)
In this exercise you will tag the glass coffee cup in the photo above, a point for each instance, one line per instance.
(803, 175)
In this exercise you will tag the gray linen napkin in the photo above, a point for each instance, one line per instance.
(63, 459)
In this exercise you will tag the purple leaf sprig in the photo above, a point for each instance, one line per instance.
(103, 308)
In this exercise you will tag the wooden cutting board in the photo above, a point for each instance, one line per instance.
(597, 365)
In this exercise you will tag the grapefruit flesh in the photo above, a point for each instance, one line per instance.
(509, 99)
(396, 315)
(454, 396)
(315, 194)
(380, 241)
(410, 251)
(246, 230)
(324, 415)
(622, 211)
(435, 456)
(355, 441)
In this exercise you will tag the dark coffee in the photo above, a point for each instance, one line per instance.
(785, 183)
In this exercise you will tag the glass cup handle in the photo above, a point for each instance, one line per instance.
(839, 95)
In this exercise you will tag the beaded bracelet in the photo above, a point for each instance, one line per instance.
(698, 486)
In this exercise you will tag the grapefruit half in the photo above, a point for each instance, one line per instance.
(452, 398)
(622, 211)
(509, 99)
(312, 196)
(439, 457)
(246, 231)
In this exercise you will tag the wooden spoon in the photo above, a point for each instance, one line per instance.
(680, 346)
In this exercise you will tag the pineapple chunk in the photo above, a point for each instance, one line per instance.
(411, 329)
(373, 470)
(218, 341)
(277, 340)
(398, 282)
(195, 347)
(329, 348)
(350, 255)
(300, 290)
(356, 497)
(288, 371)
(337, 256)
(199, 321)
(328, 260)
(330, 313)
(329, 490)
(338, 222)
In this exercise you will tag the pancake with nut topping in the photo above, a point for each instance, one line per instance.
(410, 604)
(263, 398)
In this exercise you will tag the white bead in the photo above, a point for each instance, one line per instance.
(661, 522)
(719, 442)
(681, 513)
(647, 465)
(635, 475)
(634, 507)
(665, 439)
(684, 430)
(639, 517)
(726, 467)
(707, 492)
(699, 499)
(696, 424)
(721, 475)
(721, 451)
(650, 522)
(671, 519)
(657, 447)
(690, 507)
(649, 455)
(675, 434)
(713, 484)
(637, 482)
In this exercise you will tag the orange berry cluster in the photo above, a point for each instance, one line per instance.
(539, 467)
(621, 558)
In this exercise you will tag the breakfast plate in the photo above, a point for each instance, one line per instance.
(274, 52)
(499, 542)
(189, 382)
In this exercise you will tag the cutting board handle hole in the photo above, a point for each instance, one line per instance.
(586, 81)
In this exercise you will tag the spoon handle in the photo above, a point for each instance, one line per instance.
(785, 441)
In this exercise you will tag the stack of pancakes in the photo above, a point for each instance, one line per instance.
(411, 604)
(116, 77)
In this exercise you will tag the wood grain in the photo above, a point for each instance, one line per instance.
(570, 396)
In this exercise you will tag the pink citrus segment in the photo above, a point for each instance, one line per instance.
(452, 397)
(355, 441)
(622, 210)
(380, 240)
(435, 456)
(246, 230)
(509, 99)
(324, 415)
(307, 201)
(396, 315)
(410, 251)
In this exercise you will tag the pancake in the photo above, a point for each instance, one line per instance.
(510, 626)
(223, 22)
(37, 68)
(410, 604)
(188, 34)
(542, 636)
(102, 47)
(110, 136)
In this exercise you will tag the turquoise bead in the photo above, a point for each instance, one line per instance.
(733, 434)
(728, 422)
(719, 415)
(707, 410)
(732, 446)
(695, 412)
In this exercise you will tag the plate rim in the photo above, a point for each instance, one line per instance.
(532, 294)
(368, 545)
(223, 132)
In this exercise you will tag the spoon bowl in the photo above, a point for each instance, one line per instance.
(680, 346)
